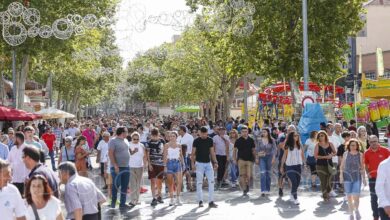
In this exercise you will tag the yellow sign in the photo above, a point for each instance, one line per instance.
(375, 88)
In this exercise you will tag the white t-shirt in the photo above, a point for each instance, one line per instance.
(188, 140)
(103, 147)
(310, 147)
(19, 170)
(137, 159)
(144, 137)
(335, 141)
(11, 203)
(50, 211)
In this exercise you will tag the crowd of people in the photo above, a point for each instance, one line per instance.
(185, 155)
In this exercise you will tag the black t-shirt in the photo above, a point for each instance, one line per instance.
(245, 148)
(156, 149)
(341, 150)
(202, 147)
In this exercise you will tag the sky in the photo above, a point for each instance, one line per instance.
(131, 33)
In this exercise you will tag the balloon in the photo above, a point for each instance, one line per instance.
(347, 112)
(362, 113)
(383, 106)
(374, 111)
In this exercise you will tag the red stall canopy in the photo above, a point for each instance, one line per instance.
(11, 114)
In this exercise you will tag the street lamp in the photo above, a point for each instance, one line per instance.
(305, 47)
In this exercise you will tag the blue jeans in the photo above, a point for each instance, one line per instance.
(120, 180)
(265, 173)
(201, 170)
(294, 174)
(53, 162)
(233, 172)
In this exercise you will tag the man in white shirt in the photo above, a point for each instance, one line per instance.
(19, 170)
(102, 156)
(382, 189)
(11, 203)
(185, 138)
(72, 130)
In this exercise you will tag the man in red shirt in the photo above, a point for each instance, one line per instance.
(49, 138)
(372, 158)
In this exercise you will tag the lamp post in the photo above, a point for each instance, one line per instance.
(305, 47)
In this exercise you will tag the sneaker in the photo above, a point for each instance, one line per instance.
(178, 202)
(212, 205)
(132, 204)
(159, 200)
(332, 194)
(262, 194)
(280, 192)
(296, 202)
(292, 198)
(200, 204)
(351, 217)
(154, 202)
(172, 202)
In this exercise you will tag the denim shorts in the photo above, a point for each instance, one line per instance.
(352, 188)
(174, 166)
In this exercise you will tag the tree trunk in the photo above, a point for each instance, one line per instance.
(207, 115)
(297, 98)
(228, 96)
(21, 85)
(213, 105)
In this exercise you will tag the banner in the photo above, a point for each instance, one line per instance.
(379, 62)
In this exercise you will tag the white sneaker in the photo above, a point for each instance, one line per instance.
(332, 194)
(296, 202)
(292, 198)
(178, 201)
(172, 202)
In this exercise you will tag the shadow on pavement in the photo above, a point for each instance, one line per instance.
(192, 214)
(326, 208)
(287, 209)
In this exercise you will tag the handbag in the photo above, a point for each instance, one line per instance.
(34, 208)
(331, 169)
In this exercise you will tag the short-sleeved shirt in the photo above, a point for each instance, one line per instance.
(220, 146)
(341, 150)
(49, 139)
(121, 152)
(81, 193)
(11, 203)
(245, 148)
(372, 159)
(51, 210)
(203, 147)
(156, 149)
(103, 147)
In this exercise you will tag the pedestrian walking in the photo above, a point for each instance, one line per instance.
(136, 164)
(372, 158)
(154, 156)
(12, 205)
(244, 155)
(42, 204)
(50, 139)
(173, 161)
(266, 152)
(81, 156)
(4, 150)
(352, 174)
(19, 170)
(67, 152)
(221, 146)
(119, 154)
(102, 156)
(82, 198)
(294, 158)
(204, 162)
(324, 152)
(382, 189)
(309, 148)
(233, 168)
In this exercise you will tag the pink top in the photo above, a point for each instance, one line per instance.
(90, 135)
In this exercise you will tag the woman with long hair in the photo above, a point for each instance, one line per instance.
(323, 152)
(362, 136)
(233, 167)
(309, 147)
(81, 156)
(294, 158)
(266, 151)
(173, 161)
(352, 174)
(41, 203)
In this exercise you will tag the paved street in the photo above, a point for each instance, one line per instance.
(232, 205)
